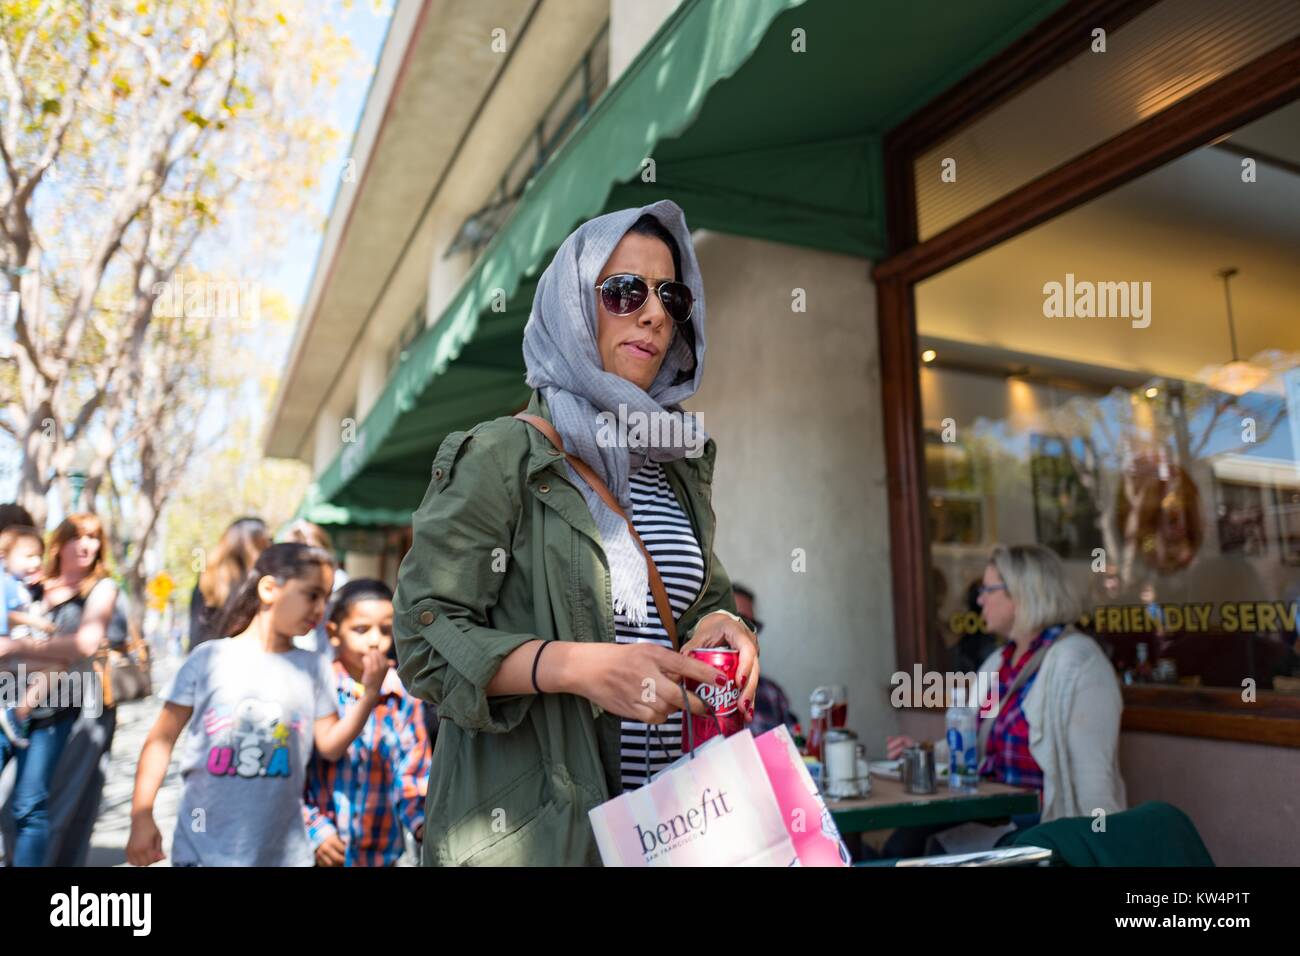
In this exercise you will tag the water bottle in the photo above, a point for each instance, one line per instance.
(963, 733)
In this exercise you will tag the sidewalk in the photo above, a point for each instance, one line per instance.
(113, 825)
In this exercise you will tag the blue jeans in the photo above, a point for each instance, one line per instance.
(31, 797)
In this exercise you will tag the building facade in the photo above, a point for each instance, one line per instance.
(1020, 273)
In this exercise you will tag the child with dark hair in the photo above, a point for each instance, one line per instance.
(261, 704)
(356, 807)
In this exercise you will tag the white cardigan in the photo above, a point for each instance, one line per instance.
(1073, 710)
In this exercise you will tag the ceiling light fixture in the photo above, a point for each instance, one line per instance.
(1237, 377)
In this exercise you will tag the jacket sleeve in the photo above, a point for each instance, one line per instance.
(447, 586)
(1092, 737)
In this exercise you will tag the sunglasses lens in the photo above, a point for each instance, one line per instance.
(677, 300)
(623, 295)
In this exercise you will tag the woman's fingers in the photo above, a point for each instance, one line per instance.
(673, 700)
(894, 746)
(747, 676)
(677, 666)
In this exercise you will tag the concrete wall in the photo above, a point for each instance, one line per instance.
(1242, 797)
(359, 565)
(631, 24)
(793, 401)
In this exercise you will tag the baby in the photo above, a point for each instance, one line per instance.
(21, 551)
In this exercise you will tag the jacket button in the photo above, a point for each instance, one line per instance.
(543, 488)
(426, 617)
(437, 473)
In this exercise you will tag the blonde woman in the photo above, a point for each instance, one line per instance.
(1057, 723)
(79, 598)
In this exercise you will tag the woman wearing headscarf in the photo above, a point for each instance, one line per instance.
(525, 609)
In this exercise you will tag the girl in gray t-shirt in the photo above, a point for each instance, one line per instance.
(259, 705)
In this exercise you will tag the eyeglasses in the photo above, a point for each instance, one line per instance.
(625, 293)
(986, 588)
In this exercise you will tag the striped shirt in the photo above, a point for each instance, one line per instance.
(378, 787)
(668, 536)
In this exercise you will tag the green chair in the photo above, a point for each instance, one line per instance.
(1153, 834)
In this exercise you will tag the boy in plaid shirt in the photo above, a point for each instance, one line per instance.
(357, 808)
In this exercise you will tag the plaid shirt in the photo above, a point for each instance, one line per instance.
(378, 786)
(1006, 756)
(771, 708)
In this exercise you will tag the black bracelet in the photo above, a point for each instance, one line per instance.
(537, 658)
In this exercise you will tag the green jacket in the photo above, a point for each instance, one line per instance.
(504, 552)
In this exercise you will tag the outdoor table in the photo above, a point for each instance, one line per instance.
(891, 806)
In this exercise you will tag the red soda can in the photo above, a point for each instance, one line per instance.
(723, 701)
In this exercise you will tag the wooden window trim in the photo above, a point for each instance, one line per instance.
(1246, 94)
(1219, 713)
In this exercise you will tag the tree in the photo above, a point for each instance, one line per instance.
(138, 143)
(128, 131)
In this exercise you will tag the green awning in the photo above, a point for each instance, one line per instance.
(748, 134)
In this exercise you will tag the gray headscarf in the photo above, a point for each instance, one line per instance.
(564, 362)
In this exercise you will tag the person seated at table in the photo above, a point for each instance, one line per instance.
(1056, 728)
(771, 705)
(973, 649)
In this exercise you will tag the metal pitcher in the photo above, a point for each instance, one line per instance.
(918, 769)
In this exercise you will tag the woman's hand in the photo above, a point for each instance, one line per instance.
(894, 746)
(636, 681)
(144, 845)
(718, 630)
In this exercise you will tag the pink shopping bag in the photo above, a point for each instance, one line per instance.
(811, 827)
(714, 809)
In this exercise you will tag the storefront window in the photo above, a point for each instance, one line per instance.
(1122, 386)
(1163, 55)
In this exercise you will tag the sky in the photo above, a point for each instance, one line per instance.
(367, 31)
(291, 275)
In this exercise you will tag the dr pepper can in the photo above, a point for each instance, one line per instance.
(723, 701)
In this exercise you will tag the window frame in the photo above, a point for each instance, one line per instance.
(1252, 91)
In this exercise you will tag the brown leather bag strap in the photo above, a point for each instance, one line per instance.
(586, 473)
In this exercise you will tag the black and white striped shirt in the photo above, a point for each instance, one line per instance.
(668, 536)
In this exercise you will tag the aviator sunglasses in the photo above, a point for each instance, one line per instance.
(625, 293)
